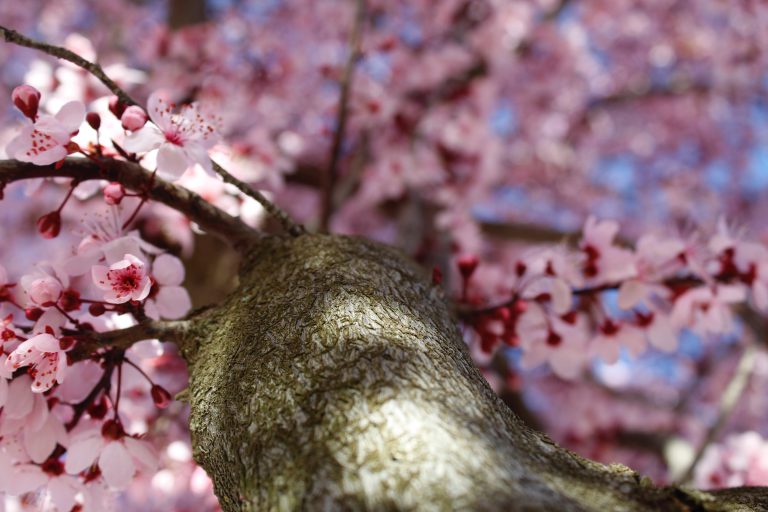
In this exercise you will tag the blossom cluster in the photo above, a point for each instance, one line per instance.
(604, 299)
(65, 433)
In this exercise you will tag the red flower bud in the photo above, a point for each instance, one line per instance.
(98, 409)
(96, 309)
(467, 265)
(27, 100)
(160, 396)
(94, 120)
(49, 225)
(112, 430)
(437, 276)
(116, 106)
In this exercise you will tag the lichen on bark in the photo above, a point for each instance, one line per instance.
(335, 378)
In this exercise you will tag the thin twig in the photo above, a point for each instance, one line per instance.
(122, 339)
(342, 114)
(730, 397)
(14, 37)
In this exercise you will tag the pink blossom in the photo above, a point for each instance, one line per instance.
(134, 118)
(23, 478)
(45, 140)
(122, 281)
(551, 340)
(604, 261)
(707, 309)
(42, 289)
(47, 360)
(612, 335)
(168, 299)
(183, 139)
(115, 453)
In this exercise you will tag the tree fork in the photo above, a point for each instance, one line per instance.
(335, 378)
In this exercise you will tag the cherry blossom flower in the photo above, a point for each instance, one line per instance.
(44, 141)
(115, 452)
(604, 261)
(182, 139)
(612, 335)
(5, 376)
(707, 309)
(552, 340)
(168, 299)
(61, 489)
(124, 280)
(47, 360)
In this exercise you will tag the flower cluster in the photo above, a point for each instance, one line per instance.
(605, 299)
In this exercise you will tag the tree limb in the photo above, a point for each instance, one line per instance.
(136, 178)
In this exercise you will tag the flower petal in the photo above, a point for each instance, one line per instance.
(168, 270)
(173, 302)
(171, 162)
(116, 465)
(83, 452)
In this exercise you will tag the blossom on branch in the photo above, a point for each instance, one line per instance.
(182, 140)
(124, 280)
(45, 140)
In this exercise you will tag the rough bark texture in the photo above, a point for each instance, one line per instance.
(335, 378)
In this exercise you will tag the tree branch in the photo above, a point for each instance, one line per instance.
(728, 401)
(124, 338)
(342, 115)
(137, 179)
(14, 37)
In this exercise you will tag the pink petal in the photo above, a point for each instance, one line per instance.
(83, 452)
(142, 451)
(45, 343)
(173, 302)
(168, 270)
(23, 399)
(662, 335)
(116, 465)
(25, 478)
(146, 139)
(561, 296)
(3, 391)
(71, 115)
(63, 490)
(631, 293)
(19, 145)
(100, 279)
(40, 443)
(171, 161)
(157, 108)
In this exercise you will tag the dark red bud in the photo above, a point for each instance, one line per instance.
(117, 107)
(98, 409)
(27, 100)
(437, 276)
(467, 265)
(96, 309)
(70, 300)
(160, 396)
(94, 120)
(49, 225)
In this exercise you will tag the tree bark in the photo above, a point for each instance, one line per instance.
(336, 378)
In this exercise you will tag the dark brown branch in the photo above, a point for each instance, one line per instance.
(124, 338)
(134, 177)
(342, 115)
(14, 37)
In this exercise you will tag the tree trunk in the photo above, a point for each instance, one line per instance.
(336, 378)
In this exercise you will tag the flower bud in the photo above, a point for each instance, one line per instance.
(94, 120)
(160, 396)
(67, 342)
(134, 118)
(49, 225)
(116, 106)
(467, 265)
(97, 309)
(27, 100)
(70, 300)
(114, 193)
